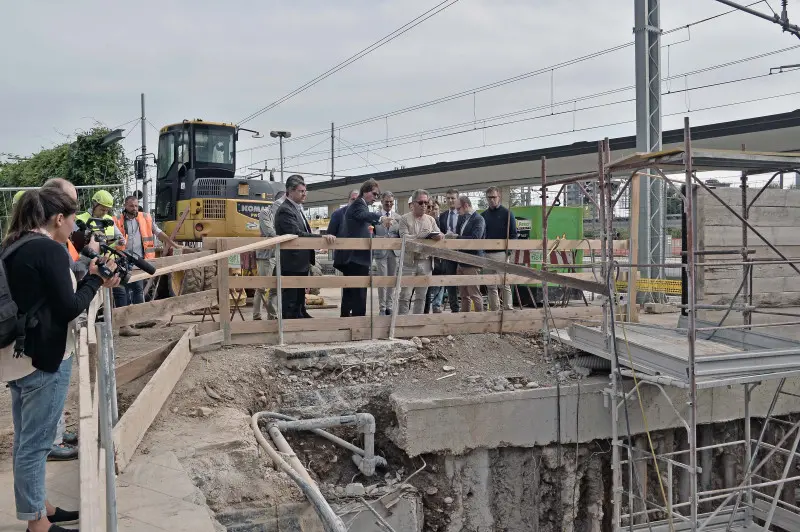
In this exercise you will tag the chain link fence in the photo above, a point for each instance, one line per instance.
(85, 194)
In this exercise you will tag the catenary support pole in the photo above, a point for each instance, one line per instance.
(145, 195)
(647, 33)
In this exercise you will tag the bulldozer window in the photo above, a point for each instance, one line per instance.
(213, 146)
(166, 154)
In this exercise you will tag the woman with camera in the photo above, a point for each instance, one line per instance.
(44, 288)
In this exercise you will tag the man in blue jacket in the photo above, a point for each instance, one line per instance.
(500, 224)
(357, 223)
(336, 225)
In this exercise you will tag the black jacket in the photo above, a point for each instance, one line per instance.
(38, 270)
(357, 219)
(497, 223)
(336, 228)
(289, 221)
(475, 229)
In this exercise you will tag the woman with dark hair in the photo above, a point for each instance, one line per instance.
(44, 289)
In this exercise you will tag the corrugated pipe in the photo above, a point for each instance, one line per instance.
(591, 362)
(330, 521)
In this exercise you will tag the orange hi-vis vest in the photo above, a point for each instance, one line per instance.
(73, 252)
(145, 227)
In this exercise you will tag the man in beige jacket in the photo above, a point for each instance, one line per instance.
(417, 224)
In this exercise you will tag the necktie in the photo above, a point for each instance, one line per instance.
(452, 224)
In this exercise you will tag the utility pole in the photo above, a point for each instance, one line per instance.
(143, 162)
(332, 157)
(652, 201)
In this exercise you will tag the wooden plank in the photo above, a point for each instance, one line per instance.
(206, 327)
(289, 338)
(88, 449)
(223, 288)
(163, 308)
(341, 281)
(206, 340)
(260, 243)
(498, 244)
(447, 319)
(479, 322)
(144, 364)
(163, 262)
(130, 429)
(524, 271)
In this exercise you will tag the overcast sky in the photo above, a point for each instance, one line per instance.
(69, 64)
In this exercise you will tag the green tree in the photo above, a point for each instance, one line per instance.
(84, 162)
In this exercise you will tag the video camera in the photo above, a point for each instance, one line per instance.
(94, 229)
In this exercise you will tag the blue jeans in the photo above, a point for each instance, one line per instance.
(437, 296)
(130, 294)
(37, 401)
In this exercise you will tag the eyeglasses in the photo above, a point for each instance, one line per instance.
(492, 197)
(423, 203)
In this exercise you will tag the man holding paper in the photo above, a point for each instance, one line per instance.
(417, 224)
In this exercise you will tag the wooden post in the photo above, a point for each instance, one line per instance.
(633, 250)
(279, 292)
(223, 295)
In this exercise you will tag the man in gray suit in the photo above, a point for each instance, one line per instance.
(386, 259)
(265, 258)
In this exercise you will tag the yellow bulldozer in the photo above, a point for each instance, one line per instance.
(198, 195)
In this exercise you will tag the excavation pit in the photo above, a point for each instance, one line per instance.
(467, 426)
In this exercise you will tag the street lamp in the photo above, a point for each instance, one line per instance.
(280, 135)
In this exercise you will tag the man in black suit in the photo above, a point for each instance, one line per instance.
(336, 225)
(448, 223)
(471, 225)
(358, 222)
(290, 220)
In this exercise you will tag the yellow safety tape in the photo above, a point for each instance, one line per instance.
(667, 286)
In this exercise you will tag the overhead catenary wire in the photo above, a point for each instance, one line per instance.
(498, 83)
(544, 135)
(601, 126)
(413, 23)
(470, 126)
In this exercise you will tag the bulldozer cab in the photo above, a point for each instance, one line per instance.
(197, 192)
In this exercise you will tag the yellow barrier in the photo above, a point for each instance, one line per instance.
(666, 286)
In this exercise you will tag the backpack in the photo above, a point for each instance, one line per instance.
(14, 325)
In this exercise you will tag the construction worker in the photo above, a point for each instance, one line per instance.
(102, 203)
(73, 253)
(139, 234)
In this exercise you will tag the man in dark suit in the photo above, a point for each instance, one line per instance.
(448, 223)
(290, 220)
(472, 226)
(358, 222)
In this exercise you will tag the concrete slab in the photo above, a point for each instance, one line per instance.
(527, 417)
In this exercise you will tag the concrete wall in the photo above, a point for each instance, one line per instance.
(776, 215)
(527, 418)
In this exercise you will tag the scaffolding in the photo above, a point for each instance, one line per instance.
(694, 356)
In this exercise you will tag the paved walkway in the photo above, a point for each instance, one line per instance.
(153, 494)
